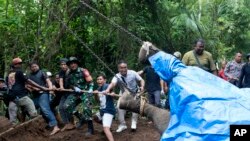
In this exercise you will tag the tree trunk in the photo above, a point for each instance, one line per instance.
(5, 64)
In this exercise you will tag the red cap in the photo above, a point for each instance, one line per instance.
(16, 61)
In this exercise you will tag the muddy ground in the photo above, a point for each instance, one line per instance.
(35, 131)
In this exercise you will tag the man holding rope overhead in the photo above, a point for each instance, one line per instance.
(80, 79)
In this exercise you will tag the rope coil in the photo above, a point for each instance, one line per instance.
(143, 101)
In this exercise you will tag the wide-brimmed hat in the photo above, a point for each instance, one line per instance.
(72, 59)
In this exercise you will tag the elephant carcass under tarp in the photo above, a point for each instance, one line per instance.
(203, 106)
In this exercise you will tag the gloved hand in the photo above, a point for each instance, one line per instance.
(76, 89)
(90, 91)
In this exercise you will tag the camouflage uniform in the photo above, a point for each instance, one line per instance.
(77, 79)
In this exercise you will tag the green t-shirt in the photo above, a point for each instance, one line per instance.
(205, 59)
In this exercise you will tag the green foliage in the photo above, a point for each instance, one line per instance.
(30, 29)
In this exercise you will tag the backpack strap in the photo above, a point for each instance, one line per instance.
(197, 60)
(199, 64)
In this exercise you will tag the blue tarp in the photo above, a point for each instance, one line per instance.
(203, 106)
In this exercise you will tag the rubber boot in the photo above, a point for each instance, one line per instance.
(90, 128)
(80, 119)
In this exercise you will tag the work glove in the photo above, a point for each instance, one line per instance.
(76, 89)
(90, 92)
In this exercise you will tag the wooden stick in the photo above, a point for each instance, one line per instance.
(20, 125)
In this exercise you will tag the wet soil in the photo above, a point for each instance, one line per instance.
(35, 131)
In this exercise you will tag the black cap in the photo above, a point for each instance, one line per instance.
(63, 60)
(248, 55)
(1, 79)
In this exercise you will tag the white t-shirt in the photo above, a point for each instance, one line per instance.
(130, 80)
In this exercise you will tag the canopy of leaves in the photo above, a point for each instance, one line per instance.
(31, 29)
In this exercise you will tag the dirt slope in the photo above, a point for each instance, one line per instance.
(35, 131)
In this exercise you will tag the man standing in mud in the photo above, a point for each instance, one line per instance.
(129, 78)
(80, 79)
(107, 109)
(17, 91)
(41, 98)
(64, 85)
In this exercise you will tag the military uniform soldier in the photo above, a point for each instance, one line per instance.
(80, 79)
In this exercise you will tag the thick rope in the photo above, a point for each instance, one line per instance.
(112, 22)
(87, 47)
(143, 101)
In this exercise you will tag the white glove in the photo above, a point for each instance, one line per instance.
(90, 91)
(76, 89)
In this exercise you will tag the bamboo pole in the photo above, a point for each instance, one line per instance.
(20, 125)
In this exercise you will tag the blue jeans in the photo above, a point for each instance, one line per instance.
(44, 104)
(154, 98)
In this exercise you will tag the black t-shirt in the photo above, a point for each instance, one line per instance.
(62, 74)
(245, 76)
(55, 84)
(152, 79)
(16, 84)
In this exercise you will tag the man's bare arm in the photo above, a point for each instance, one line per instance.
(36, 85)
